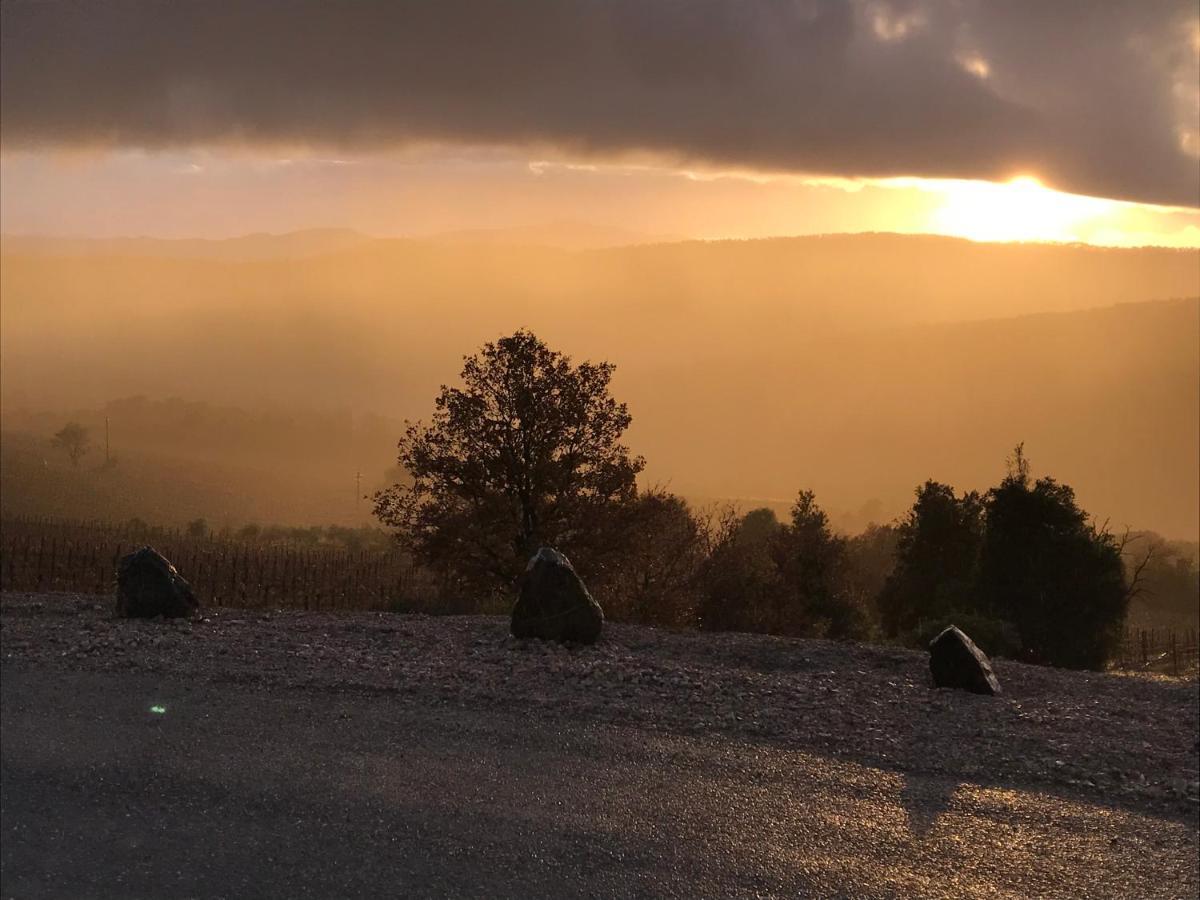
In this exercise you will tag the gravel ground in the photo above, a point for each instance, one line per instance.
(1118, 740)
(246, 791)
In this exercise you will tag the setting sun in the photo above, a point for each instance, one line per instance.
(1022, 209)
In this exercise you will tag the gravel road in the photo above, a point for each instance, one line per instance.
(317, 755)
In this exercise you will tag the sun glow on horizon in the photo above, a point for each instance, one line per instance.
(1024, 209)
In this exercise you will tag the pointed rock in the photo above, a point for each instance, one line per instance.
(554, 604)
(148, 586)
(956, 662)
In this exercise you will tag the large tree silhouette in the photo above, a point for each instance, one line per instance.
(526, 452)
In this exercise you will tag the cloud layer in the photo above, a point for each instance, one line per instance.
(1094, 97)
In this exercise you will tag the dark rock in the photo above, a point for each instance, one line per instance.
(148, 586)
(554, 604)
(956, 662)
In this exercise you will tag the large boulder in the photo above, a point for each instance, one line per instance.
(554, 604)
(956, 662)
(148, 586)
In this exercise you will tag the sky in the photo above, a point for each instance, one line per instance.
(1021, 120)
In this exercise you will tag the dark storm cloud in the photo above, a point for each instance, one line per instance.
(1094, 97)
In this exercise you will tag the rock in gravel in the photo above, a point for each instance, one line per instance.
(148, 586)
(956, 662)
(554, 604)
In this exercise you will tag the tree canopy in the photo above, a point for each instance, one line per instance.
(526, 452)
(1046, 569)
(937, 555)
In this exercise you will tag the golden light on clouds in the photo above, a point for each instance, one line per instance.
(975, 64)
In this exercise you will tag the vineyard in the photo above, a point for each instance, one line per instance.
(51, 555)
(1171, 651)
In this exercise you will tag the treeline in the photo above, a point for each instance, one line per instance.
(1020, 567)
(528, 453)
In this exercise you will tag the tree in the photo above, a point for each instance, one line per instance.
(527, 452)
(73, 438)
(1167, 577)
(782, 578)
(811, 561)
(197, 528)
(870, 561)
(937, 556)
(739, 580)
(1048, 570)
(653, 580)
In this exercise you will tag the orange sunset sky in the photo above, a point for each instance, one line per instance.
(1015, 121)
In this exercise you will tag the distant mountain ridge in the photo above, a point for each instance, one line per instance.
(314, 241)
(565, 235)
(244, 248)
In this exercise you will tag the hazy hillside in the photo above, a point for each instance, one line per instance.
(374, 327)
(1107, 399)
(855, 365)
(171, 490)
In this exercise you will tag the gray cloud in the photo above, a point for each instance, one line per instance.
(1094, 97)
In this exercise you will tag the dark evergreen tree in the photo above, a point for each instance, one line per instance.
(1048, 570)
(812, 564)
(937, 556)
